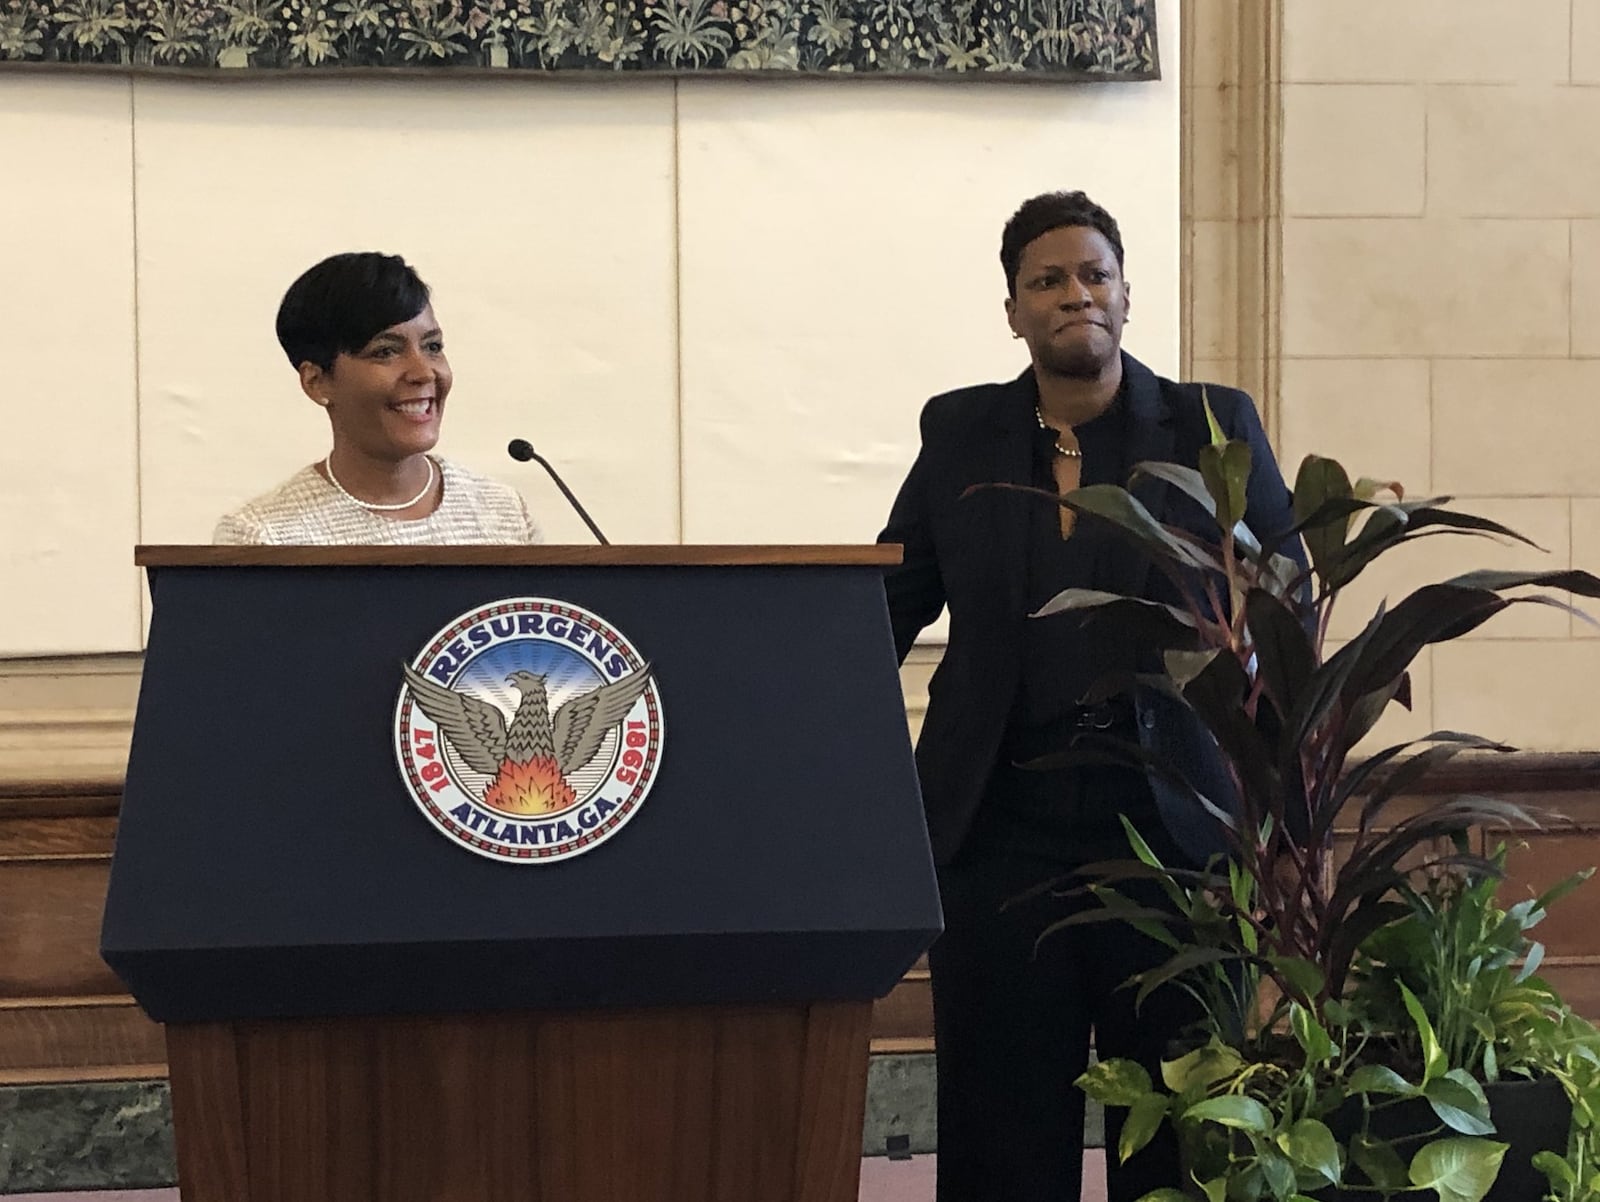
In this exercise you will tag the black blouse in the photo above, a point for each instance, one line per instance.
(1069, 815)
(1060, 662)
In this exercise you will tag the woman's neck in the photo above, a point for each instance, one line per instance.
(1066, 401)
(379, 481)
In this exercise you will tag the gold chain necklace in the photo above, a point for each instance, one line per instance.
(1069, 452)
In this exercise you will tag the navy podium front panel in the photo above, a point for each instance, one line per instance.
(269, 862)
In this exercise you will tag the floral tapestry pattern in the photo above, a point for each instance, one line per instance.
(1072, 39)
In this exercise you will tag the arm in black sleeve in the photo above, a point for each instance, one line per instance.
(915, 588)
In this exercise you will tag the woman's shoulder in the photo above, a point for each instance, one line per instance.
(498, 509)
(465, 480)
(275, 515)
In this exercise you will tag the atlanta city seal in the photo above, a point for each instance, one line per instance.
(528, 730)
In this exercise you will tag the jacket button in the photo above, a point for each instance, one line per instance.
(1147, 719)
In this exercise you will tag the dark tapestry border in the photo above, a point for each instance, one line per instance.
(1052, 39)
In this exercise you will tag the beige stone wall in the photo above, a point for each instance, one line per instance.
(1440, 310)
(741, 359)
(680, 290)
(1228, 186)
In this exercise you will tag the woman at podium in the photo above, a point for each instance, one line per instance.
(360, 331)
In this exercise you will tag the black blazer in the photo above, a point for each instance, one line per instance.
(971, 555)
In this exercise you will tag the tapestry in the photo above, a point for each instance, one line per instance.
(1053, 39)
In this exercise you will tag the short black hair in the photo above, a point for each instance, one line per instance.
(1041, 214)
(341, 303)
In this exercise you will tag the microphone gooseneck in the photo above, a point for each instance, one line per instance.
(522, 451)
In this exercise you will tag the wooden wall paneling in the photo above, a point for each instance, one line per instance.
(63, 1014)
(50, 912)
(903, 1021)
(86, 1038)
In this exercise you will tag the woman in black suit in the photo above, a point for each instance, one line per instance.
(1012, 1019)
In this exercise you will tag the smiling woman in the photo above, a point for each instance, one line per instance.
(360, 331)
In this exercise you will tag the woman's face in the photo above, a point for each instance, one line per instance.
(386, 400)
(1071, 301)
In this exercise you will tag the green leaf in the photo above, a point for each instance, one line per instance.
(1311, 1145)
(1378, 1159)
(1192, 484)
(1278, 1171)
(1218, 438)
(1391, 524)
(1117, 618)
(1149, 921)
(1167, 1194)
(1184, 666)
(1215, 1190)
(1560, 889)
(1232, 1110)
(1458, 1100)
(1318, 482)
(1121, 508)
(1434, 613)
(1202, 1067)
(1143, 1120)
(1312, 1037)
(1432, 1053)
(1380, 1078)
(1115, 1082)
(1217, 696)
(1141, 848)
(1301, 973)
(1554, 1166)
(1365, 710)
(1226, 471)
(1283, 648)
(1180, 965)
(1585, 584)
(1461, 1169)
(1249, 1185)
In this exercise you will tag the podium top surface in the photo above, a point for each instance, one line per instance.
(503, 555)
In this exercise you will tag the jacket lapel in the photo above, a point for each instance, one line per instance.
(1151, 435)
(1010, 459)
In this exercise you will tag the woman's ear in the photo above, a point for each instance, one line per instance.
(314, 382)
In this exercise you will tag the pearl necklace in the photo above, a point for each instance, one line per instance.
(327, 466)
(1069, 452)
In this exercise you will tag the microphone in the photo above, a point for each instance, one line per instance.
(522, 450)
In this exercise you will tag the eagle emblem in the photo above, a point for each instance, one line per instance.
(532, 757)
(528, 730)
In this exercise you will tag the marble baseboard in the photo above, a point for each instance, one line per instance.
(902, 1100)
(118, 1135)
(97, 1135)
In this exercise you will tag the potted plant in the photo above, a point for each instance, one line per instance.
(1332, 1008)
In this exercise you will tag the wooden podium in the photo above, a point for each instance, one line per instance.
(360, 1008)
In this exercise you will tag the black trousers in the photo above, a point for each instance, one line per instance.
(1013, 1014)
